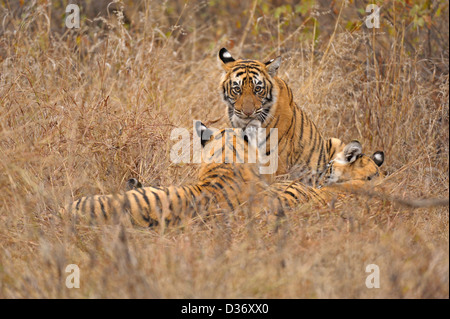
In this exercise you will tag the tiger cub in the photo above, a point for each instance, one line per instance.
(226, 183)
(257, 98)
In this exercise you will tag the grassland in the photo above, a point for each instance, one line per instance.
(81, 111)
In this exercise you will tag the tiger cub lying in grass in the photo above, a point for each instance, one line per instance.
(226, 185)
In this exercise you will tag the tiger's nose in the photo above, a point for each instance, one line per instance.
(248, 112)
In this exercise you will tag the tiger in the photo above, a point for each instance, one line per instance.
(257, 98)
(225, 185)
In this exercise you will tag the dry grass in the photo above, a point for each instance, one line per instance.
(80, 113)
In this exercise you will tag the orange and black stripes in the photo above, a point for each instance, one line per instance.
(146, 206)
(227, 185)
(149, 206)
(255, 96)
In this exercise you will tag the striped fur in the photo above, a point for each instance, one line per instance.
(256, 97)
(224, 185)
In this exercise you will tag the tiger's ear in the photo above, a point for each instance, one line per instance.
(203, 132)
(133, 183)
(378, 158)
(273, 65)
(352, 150)
(225, 57)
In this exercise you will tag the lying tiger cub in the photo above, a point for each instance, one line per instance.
(226, 185)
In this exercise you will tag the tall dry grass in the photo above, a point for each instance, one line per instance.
(83, 111)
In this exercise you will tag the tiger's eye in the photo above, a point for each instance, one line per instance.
(237, 90)
(257, 89)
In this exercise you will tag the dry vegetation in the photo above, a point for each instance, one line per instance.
(81, 111)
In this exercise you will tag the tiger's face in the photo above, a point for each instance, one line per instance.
(352, 165)
(248, 89)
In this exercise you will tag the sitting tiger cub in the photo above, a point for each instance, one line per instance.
(257, 98)
(226, 185)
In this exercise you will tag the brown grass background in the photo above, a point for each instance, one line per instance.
(81, 111)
